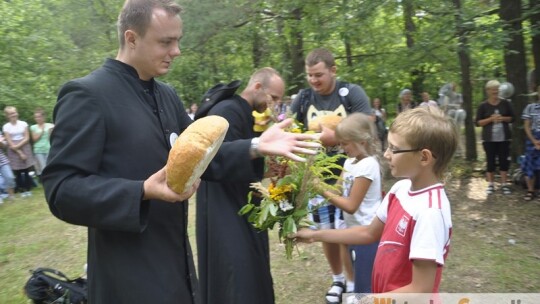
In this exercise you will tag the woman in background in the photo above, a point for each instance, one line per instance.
(40, 137)
(19, 151)
(494, 115)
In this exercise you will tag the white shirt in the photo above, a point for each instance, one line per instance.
(369, 168)
(16, 131)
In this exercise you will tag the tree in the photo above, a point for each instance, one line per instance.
(463, 52)
(534, 10)
(516, 68)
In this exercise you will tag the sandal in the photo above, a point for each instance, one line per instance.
(336, 294)
(529, 196)
(490, 189)
(506, 190)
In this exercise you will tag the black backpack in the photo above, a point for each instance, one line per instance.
(216, 94)
(307, 94)
(47, 286)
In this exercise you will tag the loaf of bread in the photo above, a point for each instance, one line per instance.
(193, 150)
(329, 121)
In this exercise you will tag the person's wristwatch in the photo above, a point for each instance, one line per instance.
(254, 148)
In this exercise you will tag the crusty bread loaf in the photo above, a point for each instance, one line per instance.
(328, 121)
(193, 150)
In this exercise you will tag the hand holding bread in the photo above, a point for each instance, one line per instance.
(155, 187)
(193, 150)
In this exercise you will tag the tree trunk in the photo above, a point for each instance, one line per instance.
(346, 34)
(534, 5)
(516, 69)
(410, 27)
(297, 52)
(257, 46)
(417, 74)
(466, 88)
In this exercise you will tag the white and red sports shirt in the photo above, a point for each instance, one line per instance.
(418, 225)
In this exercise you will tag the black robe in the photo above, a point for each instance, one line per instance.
(233, 258)
(109, 137)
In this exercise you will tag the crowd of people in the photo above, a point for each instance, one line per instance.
(107, 173)
(23, 153)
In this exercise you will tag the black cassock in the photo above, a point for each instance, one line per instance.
(233, 257)
(110, 136)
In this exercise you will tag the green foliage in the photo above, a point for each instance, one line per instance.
(46, 43)
(285, 201)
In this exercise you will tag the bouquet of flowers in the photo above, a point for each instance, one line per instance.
(284, 201)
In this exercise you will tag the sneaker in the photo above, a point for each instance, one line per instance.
(490, 189)
(28, 193)
(506, 190)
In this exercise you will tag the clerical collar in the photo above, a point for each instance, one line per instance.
(148, 85)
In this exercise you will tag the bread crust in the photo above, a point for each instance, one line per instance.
(328, 121)
(193, 150)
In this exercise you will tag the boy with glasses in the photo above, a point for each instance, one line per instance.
(413, 223)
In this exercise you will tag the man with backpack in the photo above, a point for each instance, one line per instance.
(328, 96)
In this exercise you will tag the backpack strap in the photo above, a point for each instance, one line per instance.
(305, 98)
(58, 273)
(345, 101)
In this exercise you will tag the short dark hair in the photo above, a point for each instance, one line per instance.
(264, 76)
(320, 55)
(136, 15)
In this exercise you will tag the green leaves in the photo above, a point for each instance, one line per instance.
(285, 201)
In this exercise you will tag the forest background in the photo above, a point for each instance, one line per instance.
(384, 45)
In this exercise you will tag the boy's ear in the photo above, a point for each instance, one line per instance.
(426, 155)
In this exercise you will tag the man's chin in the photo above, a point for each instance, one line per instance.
(261, 110)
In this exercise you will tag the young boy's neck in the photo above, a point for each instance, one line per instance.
(424, 180)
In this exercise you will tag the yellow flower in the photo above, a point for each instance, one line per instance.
(279, 193)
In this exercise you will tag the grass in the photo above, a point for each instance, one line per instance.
(31, 237)
(481, 258)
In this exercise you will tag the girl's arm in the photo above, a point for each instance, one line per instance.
(351, 203)
(36, 135)
(357, 235)
(8, 140)
(25, 139)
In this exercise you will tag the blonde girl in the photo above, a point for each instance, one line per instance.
(361, 192)
(19, 151)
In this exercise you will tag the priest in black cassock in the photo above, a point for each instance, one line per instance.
(233, 257)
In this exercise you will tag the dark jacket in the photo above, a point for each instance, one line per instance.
(110, 135)
(233, 257)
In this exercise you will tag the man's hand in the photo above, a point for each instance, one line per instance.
(276, 142)
(155, 187)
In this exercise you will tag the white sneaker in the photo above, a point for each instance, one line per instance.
(28, 193)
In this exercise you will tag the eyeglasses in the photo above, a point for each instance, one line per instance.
(397, 151)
